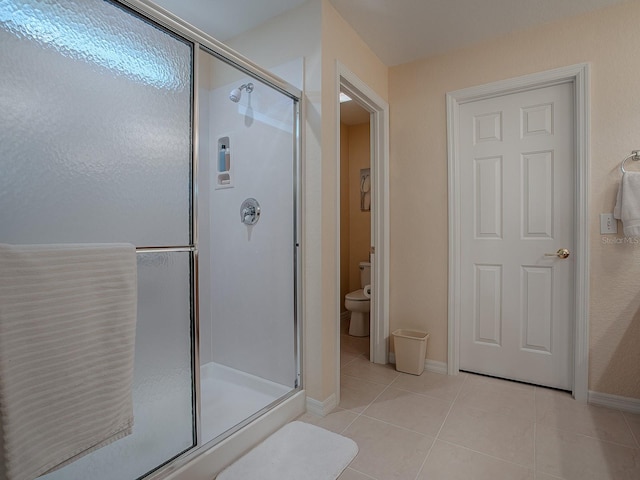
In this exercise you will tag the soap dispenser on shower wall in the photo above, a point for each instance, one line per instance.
(222, 159)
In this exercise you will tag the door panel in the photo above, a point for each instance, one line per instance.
(488, 308)
(537, 195)
(488, 186)
(537, 308)
(516, 154)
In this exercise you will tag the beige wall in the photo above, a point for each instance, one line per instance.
(609, 41)
(355, 225)
(345, 237)
(360, 222)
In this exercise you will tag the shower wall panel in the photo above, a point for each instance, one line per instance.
(252, 267)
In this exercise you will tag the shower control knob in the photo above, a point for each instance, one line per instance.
(250, 211)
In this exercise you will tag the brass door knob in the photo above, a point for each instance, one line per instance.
(562, 253)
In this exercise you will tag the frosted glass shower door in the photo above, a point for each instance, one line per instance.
(95, 147)
(247, 138)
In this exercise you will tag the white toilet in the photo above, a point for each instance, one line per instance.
(359, 303)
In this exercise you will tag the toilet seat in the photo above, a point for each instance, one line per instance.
(356, 296)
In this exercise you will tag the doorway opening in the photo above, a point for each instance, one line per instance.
(355, 230)
(371, 191)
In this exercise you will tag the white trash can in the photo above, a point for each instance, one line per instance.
(411, 349)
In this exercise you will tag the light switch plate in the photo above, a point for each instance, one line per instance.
(608, 224)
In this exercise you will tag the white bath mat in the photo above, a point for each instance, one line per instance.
(296, 451)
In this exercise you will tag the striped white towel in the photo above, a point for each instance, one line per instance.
(627, 206)
(67, 335)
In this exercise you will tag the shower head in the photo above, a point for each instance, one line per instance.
(236, 93)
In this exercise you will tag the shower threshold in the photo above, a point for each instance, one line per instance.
(230, 396)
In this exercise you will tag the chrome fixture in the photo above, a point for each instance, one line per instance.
(236, 93)
(250, 211)
(635, 156)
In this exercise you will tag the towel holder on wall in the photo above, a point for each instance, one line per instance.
(635, 156)
(168, 249)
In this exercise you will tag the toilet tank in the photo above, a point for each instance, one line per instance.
(365, 274)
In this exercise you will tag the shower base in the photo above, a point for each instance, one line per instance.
(230, 396)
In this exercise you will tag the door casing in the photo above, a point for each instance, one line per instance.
(579, 76)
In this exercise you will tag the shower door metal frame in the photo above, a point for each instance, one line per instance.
(202, 41)
(197, 37)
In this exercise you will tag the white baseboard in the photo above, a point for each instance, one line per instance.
(429, 365)
(626, 404)
(323, 408)
(436, 367)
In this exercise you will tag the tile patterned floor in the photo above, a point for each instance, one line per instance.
(436, 427)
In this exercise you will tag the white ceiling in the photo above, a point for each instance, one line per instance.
(398, 31)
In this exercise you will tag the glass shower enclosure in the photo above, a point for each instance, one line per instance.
(246, 244)
(119, 125)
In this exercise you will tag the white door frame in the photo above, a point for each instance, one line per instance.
(579, 76)
(359, 91)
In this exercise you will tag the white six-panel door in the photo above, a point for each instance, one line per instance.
(517, 184)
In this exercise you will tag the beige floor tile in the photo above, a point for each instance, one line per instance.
(348, 357)
(416, 412)
(451, 462)
(634, 423)
(356, 394)
(571, 456)
(387, 452)
(544, 476)
(559, 410)
(351, 474)
(433, 384)
(335, 421)
(354, 344)
(373, 372)
(344, 326)
(505, 437)
(498, 396)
